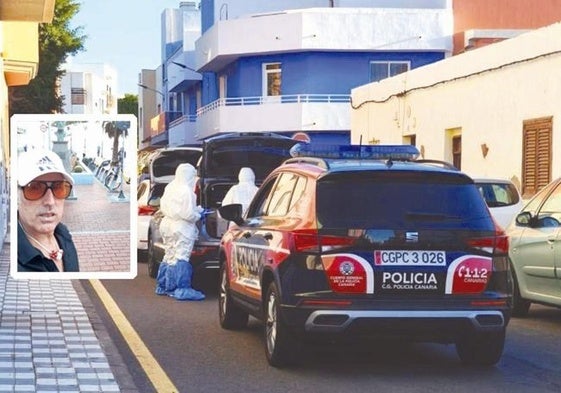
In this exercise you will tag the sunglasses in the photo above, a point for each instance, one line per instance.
(36, 189)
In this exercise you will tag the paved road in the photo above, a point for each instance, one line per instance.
(199, 356)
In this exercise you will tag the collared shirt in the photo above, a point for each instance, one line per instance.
(31, 259)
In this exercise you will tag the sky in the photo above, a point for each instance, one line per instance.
(124, 34)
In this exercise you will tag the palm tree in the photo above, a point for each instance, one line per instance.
(114, 130)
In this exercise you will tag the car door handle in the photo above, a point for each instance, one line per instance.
(268, 236)
(246, 234)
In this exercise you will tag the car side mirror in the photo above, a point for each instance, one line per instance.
(232, 212)
(524, 219)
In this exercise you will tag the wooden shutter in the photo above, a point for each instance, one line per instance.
(536, 155)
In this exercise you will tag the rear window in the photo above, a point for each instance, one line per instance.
(400, 201)
(166, 162)
(223, 157)
(498, 194)
(228, 162)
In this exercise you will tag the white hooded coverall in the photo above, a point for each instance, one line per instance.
(242, 192)
(179, 224)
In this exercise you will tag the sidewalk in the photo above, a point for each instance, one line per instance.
(100, 226)
(48, 342)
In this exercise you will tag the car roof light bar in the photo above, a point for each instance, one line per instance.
(375, 152)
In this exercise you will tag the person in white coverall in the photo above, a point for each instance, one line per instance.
(179, 232)
(242, 192)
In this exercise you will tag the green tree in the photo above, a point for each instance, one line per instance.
(128, 105)
(114, 130)
(57, 40)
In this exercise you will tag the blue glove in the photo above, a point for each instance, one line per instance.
(206, 212)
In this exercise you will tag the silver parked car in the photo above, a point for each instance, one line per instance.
(535, 250)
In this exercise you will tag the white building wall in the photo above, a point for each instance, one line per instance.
(329, 29)
(485, 93)
(100, 82)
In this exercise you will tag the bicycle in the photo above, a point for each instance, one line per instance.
(114, 178)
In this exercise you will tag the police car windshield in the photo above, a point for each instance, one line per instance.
(399, 202)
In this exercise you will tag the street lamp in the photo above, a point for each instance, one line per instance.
(185, 67)
(151, 89)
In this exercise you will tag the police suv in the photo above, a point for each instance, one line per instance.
(367, 242)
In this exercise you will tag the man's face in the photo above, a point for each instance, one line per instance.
(44, 214)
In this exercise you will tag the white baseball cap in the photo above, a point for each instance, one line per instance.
(36, 162)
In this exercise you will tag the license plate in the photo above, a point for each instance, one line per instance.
(409, 258)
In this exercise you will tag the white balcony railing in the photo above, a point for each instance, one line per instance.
(183, 119)
(284, 99)
(288, 113)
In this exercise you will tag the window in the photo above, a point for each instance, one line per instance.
(384, 69)
(223, 86)
(272, 79)
(553, 202)
(277, 197)
(536, 155)
(457, 151)
(410, 140)
(442, 201)
(78, 96)
(280, 198)
(498, 194)
(261, 200)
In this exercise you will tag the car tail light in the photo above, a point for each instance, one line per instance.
(311, 241)
(497, 277)
(146, 210)
(496, 244)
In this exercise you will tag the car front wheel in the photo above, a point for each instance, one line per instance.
(280, 344)
(481, 349)
(153, 265)
(231, 316)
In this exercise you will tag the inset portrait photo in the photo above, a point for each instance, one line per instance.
(71, 210)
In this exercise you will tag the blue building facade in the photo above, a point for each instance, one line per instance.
(260, 66)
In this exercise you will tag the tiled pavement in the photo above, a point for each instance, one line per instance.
(47, 342)
(100, 225)
(47, 338)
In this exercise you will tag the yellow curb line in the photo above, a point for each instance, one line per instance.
(149, 364)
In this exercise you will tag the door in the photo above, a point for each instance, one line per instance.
(272, 82)
(538, 250)
(259, 244)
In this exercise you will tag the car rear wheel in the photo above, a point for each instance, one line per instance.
(280, 344)
(520, 306)
(481, 349)
(231, 316)
(153, 265)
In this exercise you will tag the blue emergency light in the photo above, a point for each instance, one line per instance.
(373, 152)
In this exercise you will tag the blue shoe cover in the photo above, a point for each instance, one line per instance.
(161, 279)
(187, 294)
(184, 273)
(170, 279)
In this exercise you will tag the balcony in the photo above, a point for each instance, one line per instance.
(324, 29)
(290, 113)
(183, 130)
